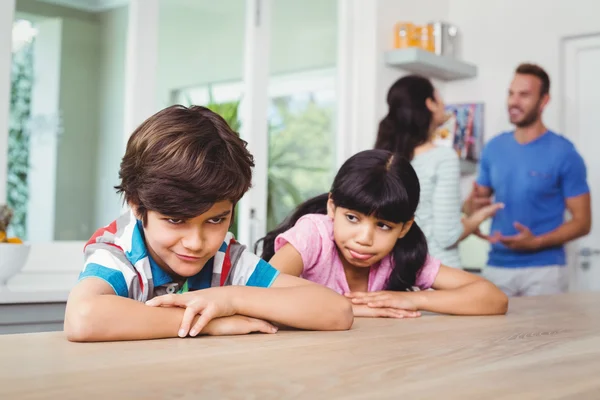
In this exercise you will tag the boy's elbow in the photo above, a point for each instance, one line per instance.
(78, 325)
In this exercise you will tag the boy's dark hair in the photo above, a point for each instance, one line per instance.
(378, 183)
(538, 72)
(181, 161)
(408, 121)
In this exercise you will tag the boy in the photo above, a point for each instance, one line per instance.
(183, 171)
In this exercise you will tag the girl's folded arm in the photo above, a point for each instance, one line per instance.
(461, 293)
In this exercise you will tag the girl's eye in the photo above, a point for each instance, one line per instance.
(175, 221)
(216, 221)
(351, 218)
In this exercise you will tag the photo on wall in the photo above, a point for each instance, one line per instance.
(463, 130)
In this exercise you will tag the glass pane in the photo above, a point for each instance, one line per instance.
(66, 124)
(302, 103)
(204, 66)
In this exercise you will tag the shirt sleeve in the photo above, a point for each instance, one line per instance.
(447, 226)
(103, 262)
(427, 274)
(574, 175)
(248, 269)
(307, 238)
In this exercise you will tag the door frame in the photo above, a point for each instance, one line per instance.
(569, 47)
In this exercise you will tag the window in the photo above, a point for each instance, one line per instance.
(301, 132)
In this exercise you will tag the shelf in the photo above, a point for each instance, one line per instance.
(423, 62)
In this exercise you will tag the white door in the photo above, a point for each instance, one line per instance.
(582, 125)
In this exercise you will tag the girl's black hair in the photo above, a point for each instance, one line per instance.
(408, 121)
(378, 183)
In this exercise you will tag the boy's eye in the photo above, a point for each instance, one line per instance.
(175, 221)
(216, 221)
(384, 227)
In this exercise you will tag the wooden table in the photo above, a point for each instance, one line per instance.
(546, 348)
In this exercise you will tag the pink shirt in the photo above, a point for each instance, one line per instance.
(312, 237)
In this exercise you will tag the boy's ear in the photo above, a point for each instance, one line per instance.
(135, 210)
(405, 228)
(330, 208)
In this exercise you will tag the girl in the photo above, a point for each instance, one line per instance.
(416, 110)
(361, 240)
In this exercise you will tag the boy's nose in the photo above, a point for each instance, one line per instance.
(193, 241)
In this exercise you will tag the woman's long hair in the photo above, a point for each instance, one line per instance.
(378, 183)
(408, 121)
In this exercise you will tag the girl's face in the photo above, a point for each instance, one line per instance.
(363, 240)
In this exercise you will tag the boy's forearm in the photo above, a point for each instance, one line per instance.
(113, 318)
(477, 298)
(320, 308)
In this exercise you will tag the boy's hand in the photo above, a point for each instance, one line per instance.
(209, 303)
(238, 325)
(400, 301)
(361, 310)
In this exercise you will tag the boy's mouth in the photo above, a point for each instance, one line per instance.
(187, 258)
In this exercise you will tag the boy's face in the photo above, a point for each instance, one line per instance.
(182, 247)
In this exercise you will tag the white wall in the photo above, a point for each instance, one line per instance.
(497, 35)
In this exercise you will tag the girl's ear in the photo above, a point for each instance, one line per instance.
(330, 208)
(405, 228)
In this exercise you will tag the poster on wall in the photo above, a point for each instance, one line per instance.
(463, 130)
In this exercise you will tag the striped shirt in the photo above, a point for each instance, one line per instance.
(117, 254)
(439, 210)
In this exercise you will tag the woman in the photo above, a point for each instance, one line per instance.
(416, 110)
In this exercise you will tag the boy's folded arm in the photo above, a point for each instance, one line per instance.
(295, 302)
(94, 313)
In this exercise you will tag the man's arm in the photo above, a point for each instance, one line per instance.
(94, 314)
(579, 225)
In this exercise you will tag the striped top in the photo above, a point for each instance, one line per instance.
(439, 210)
(118, 255)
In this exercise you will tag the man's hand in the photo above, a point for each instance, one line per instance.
(209, 303)
(525, 240)
(238, 325)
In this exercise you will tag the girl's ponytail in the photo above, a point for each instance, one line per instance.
(409, 255)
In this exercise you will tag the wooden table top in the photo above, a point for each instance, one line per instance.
(546, 348)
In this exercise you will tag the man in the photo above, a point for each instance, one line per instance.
(536, 173)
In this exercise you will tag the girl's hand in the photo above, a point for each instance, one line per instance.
(209, 303)
(403, 301)
(383, 312)
(238, 325)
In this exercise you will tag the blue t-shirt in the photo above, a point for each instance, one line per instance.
(533, 180)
